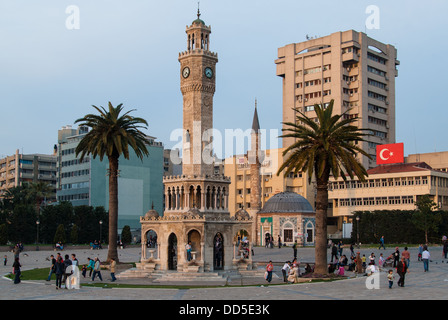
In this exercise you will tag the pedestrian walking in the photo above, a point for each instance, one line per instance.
(52, 268)
(90, 266)
(269, 269)
(401, 271)
(97, 270)
(113, 263)
(5, 260)
(16, 269)
(382, 243)
(294, 248)
(279, 242)
(420, 251)
(425, 258)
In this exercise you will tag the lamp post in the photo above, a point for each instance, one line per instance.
(37, 235)
(357, 229)
(101, 223)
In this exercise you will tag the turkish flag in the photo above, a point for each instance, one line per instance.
(390, 153)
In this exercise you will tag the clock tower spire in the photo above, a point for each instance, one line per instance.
(197, 84)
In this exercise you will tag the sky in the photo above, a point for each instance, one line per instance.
(56, 62)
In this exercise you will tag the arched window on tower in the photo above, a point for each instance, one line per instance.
(189, 42)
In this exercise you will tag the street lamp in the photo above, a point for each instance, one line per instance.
(101, 223)
(357, 229)
(37, 236)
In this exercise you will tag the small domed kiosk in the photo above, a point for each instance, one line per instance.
(288, 215)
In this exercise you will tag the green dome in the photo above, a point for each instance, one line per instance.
(198, 21)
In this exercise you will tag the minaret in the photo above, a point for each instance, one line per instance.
(255, 165)
(197, 84)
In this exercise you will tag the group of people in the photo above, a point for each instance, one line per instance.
(95, 245)
(290, 271)
(63, 268)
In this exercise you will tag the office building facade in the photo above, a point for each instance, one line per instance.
(140, 185)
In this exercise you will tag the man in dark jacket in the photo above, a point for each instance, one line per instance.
(67, 263)
(396, 255)
(401, 271)
(59, 270)
(334, 252)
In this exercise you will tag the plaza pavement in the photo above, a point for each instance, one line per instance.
(418, 286)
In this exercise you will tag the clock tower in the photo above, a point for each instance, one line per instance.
(197, 84)
(197, 201)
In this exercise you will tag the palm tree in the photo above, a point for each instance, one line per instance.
(38, 192)
(110, 135)
(323, 148)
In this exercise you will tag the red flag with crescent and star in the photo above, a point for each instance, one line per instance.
(390, 153)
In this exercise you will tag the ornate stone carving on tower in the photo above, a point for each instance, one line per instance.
(196, 203)
(197, 84)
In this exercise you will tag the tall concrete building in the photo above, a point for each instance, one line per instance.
(354, 70)
(17, 169)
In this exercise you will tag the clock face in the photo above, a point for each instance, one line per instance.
(186, 72)
(208, 72)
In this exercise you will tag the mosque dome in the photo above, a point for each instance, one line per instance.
(242, 214)
(287, 202)
(152, 213)
(198, 21)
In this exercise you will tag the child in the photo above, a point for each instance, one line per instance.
(5, 260)
(364, 261)
(390, 277)
(381, 260)
(84, 270)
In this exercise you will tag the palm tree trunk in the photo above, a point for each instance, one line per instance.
(113, 208)
(321, 228)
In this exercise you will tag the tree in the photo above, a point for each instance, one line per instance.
(60, 234)
(38, 192)
(425, 218)
(110, 135)
(74, 234)
(323, 148)
(126, 235)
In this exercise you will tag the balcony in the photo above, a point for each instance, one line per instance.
(350, 57)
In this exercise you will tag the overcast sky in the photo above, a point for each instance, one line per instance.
(126, 52)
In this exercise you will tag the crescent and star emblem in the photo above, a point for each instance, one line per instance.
(382, 154)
